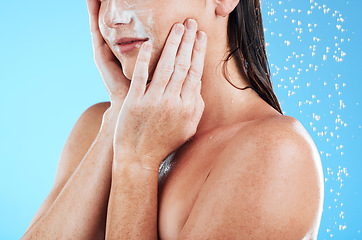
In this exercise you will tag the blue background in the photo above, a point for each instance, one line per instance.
(48, 79)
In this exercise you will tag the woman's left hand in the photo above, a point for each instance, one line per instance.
(156, 120)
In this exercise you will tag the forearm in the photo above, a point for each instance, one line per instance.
(132, 207)
(80, 208)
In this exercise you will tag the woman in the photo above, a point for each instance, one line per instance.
(187, 148)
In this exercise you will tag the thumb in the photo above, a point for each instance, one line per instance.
(199, 110)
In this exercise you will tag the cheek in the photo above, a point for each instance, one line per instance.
(105, 31)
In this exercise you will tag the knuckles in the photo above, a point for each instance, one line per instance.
(170, 104)
(183, 66)
(188, 38)
(142, 58)
(137, 76)
(196, 74)
(200, 48)
(173, 108)
(167, 69)
(174, 43)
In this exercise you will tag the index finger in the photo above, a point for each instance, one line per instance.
(165, 66)
(140, 73)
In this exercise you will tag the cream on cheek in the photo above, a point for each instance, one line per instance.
(128, 16)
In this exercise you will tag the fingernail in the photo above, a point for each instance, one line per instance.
(201, 36)
(191, 24)
(179, 29)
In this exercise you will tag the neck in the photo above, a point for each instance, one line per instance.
(225, 105)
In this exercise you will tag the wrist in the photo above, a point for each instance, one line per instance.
(117, 99)
(109, 120)
(111, 114)
(127, 159)
(116, 104)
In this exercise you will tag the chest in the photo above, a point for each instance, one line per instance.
(181, 178)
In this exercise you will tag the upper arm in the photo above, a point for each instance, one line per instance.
(79, 141)
(277, 193)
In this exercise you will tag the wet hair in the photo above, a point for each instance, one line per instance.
(247, 46)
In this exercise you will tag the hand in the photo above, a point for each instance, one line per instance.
(108, 65)
(155, 121)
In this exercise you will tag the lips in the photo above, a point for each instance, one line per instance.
(123, 41)
(127, 45)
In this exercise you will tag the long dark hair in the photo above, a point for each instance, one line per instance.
(247, 46)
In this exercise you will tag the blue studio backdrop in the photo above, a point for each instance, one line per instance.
(48, 78)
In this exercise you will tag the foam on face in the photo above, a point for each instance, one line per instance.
(126, 16)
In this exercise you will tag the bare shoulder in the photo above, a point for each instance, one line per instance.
(280, 157)
(279, 133)
(80, 139)
(266, 184)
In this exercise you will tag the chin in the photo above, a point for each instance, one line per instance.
(129, 66)
(127, 74)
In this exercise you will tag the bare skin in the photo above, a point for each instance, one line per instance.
(247, 172)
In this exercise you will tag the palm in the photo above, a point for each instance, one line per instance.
(108, 65)
(110, 69)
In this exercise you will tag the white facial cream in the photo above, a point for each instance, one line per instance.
(126, 16)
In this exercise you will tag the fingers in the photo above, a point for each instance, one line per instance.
(102, 53)
(181, 64)
(140, 73)
(93, 6)
(109, 66)
(93, 11)
(189, 88)
(183, 59)
(165, 66)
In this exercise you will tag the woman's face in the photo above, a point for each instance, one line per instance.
(144, 19)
